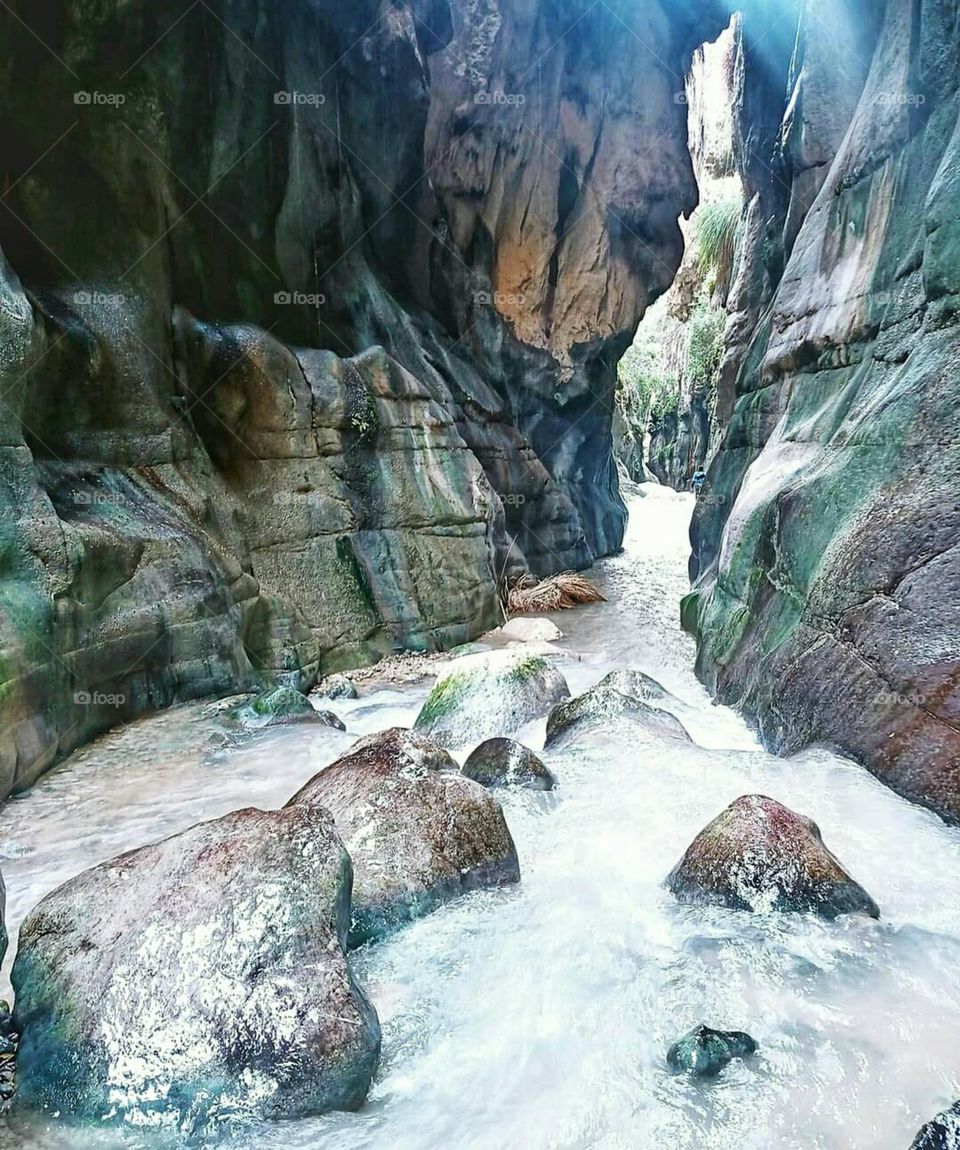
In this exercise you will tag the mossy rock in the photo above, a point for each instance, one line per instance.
(490, 695)
(621, 697)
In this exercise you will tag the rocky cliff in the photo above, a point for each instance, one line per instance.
(827, 573)
(309, 321)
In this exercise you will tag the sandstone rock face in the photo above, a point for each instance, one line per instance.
(621, 697)
(759, 855)
(828, 574)
(504, 763)
(309, 329)
(198, 983)
(418, 832)
(482, 696)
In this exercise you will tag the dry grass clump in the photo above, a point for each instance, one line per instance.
(568, 589)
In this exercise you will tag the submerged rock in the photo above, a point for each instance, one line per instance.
(198, 982)
(338, 687)
(418, 832)
(487, 695)
(505, 763)
(941, 1133)
(759, 855)
(621, 696)
(705, 1052)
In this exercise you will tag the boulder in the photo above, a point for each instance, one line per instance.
(281, 707)
(198, 983)
(505, 763)
(620, 697)
(759, 855)
(704, 1052)
(483, 696)
(338, 687)
(3, 919)
(418, 832)
(525, 630)
(941, 1133)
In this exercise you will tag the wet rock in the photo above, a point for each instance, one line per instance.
(704, 1052)
(941, 1133)
(337, 687)
(199, 982)
(484, 696)
(418, 832)
(525, 630)
(621, 696)
(329, 719)
(3, 919)
(282, 707)
(759, 855)
(505, 763)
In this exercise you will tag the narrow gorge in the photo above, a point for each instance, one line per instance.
(340, 348)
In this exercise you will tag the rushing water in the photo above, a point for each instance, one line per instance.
(538, 1017)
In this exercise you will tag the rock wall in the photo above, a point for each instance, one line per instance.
(827, 573)
(308, 328)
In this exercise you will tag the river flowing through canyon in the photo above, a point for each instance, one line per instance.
(539, 1015)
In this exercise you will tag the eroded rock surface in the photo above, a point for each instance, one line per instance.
(758, 855)
(704, 1052)
(309, 330)
(941, 1133)
(828, 566)
(198, 983)
(483, 696)
(418, 832)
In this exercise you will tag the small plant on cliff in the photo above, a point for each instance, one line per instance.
(717, 226)
(704, 348)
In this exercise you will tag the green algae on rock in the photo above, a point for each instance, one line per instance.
(490, 695)
(164, 989)
(418, 832)
(758, 855)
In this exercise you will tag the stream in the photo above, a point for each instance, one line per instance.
(538, 1016)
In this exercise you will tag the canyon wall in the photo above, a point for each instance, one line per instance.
(308, 328)
(826, 565)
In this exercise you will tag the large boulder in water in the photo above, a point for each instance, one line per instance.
(704, 1052)
(198, 982)
(418, 832)
(628, 697)
(281, 707)
(759, 855)
(483, 696)
(941, 1133)
(505, 763)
